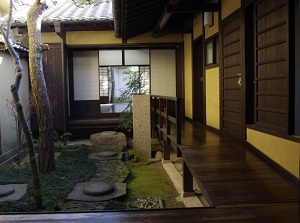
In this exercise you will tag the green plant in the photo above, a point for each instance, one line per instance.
(134, 85)
(20, 165)
(59, 139)
(126, 120)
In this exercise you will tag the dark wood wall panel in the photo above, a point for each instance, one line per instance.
(231, 60)
(271, 118)
(274, 52)
(235, 105)
(227, 72)
(272, 69)
(231, 37)
(271, 36)
(231, 94)
(271, 64)
(232, 113)
(272, 86)
(54, 79)
(86, 109)
(272, 102)
(52, 65)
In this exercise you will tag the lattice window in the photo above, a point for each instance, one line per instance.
(145, 73)
(104, 81)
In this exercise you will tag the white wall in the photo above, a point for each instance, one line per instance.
(86, 75)
(7, 120)
(163, 72)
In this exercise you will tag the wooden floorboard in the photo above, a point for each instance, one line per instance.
(261, 213)
(229, 172)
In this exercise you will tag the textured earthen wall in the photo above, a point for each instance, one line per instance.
(141, 125)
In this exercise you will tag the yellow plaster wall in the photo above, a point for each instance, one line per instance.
(147, 38)
(212, 86)
(188, 75)
(50, 38)
(210, 31)
(284, 152)
(92, 37)
(197, 26)
(229, 6)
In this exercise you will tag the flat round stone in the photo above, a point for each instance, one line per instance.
(6, 190)
(107, 154)
(98, 189)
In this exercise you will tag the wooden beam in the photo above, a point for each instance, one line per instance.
(58, 29)
(101, 26)
(191, 7)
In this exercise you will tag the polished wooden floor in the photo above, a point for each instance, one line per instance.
(229, 172)
(239, 186)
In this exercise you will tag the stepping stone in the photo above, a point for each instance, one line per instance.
(6, 190)
(112, 139)
(107, 154)
(12, 192)
(78, 194)
(98, 189)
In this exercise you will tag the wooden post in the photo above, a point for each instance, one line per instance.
(166, 151)
(168, 113)
(187, 181)
(178, 125)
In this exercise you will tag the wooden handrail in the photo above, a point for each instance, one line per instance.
(166, 97)
(166, 113)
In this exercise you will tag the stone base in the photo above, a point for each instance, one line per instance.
(79, 195)
(109, 138)
(96, 156)
(187, 194)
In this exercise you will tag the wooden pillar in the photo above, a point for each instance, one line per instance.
(187, 181)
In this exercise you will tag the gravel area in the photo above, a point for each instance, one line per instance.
(146, 203)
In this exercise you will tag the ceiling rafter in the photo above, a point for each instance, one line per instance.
(162, 17)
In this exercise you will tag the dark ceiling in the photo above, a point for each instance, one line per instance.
(135, 17)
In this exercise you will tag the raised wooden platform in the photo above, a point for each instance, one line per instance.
(96, 123)
(264, 213)
(229, 172)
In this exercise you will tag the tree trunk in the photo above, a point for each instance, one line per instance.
(38, 200)
(39, 88)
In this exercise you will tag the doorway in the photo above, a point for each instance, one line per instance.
(198, 89)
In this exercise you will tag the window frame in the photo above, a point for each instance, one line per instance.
(214, 40)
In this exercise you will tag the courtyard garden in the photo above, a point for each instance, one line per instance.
(136, 183)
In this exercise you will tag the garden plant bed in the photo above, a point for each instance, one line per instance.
(145, 183)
